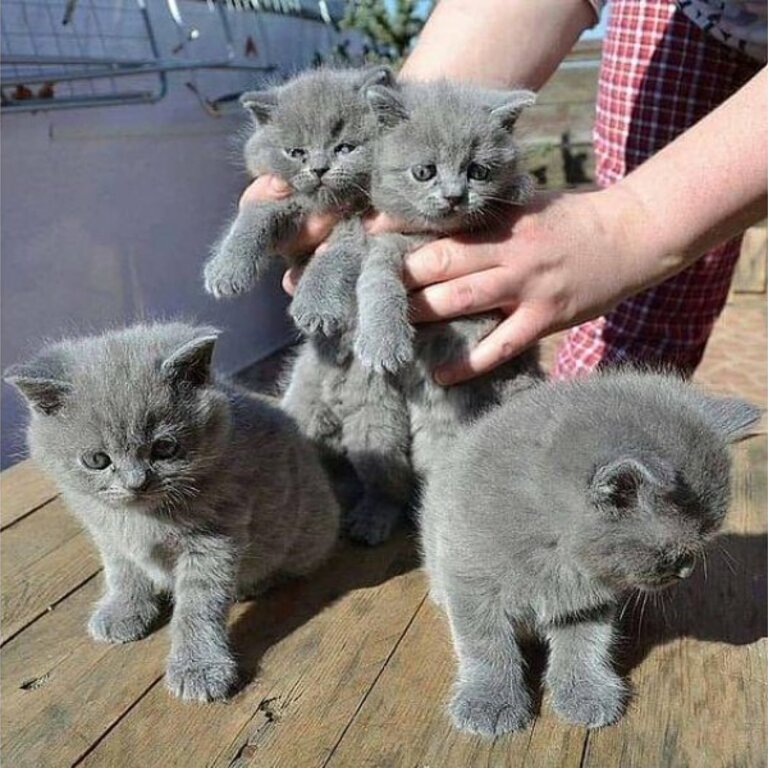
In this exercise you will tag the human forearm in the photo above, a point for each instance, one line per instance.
(703, 188)
(498, 43)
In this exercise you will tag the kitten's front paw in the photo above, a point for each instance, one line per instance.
(589, 703)
(488, 712)
(228, 276)
(327, 316)
(195, 679)
(372, 520)
(389, 351)
(116, 622)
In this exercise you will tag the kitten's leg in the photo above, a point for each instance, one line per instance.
(376, 440)
(325, 296)
(201, 665)
(129, 607)
(585, 688)
(304, 398)
(243, 254)
(491, 696)
(384, 340)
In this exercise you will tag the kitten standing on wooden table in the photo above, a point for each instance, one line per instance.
(549, 512)
(187, 485)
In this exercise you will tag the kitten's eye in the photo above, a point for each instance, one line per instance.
(295, 153)
(164, 448)
(344, 148)
(423, 172)
(478, 172)
(98, 460)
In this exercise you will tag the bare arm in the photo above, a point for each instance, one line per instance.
(500, 43)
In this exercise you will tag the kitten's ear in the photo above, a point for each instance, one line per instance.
(41, 383)
(615, 486)
(513, 103)
(378, 75)
(261, 104)
(386, 105)
(190, 365)
(730, 416)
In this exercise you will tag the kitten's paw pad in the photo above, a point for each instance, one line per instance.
(389, 352)
(312, 322)
(591, 705)
(487, 715)
(114, 623)
(371, 521)
(194, 679)
(227, 277)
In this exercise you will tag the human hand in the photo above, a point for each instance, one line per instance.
(313, 231)
(559, 261)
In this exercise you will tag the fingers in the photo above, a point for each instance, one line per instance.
(265, 188)
(508, 339)
(447, 259)
(468, 295)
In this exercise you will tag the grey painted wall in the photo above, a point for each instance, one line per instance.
(106, 214)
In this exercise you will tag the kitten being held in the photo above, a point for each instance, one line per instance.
(314, 132)
(187, 486)
(549, 512)
(446, 162)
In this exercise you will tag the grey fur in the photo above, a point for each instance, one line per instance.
(243, 499)
(314, 115)
(549, 511)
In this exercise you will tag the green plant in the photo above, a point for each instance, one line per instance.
(389, 28)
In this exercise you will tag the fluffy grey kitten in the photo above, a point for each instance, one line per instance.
(446, 162)
(549, 511)
(187, 486)
(315, 132)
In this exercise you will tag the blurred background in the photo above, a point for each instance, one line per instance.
(120, 159)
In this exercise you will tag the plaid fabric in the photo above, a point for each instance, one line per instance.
(659, 75)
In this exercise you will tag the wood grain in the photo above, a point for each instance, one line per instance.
(23, 488)
(44, 557)
(314, 649)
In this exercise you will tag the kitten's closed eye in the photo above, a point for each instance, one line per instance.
(295, 153)
(344, 148)
(98, 460)
(478, 172)
(164, 448)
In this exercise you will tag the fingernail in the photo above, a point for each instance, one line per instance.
(279, 187)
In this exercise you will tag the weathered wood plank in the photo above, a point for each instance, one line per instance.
(23, 487)
(700, 666)
(61, 690)
(750, 275)
(318, 646)
(44, 557)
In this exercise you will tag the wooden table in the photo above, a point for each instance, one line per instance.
(353, 666)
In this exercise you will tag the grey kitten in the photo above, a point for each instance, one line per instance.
(549, 511)
(446, 162)
(187, 485)
(315, 132)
